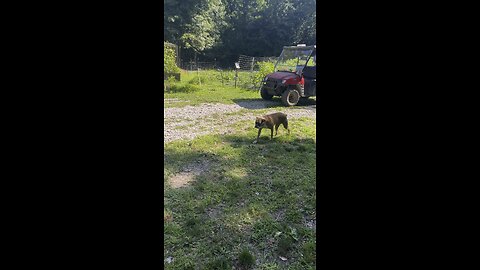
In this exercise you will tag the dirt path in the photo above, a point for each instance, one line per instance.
(191, 121)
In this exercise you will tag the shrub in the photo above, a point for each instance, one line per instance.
(265, 68)
(197, 80)
(169, 65)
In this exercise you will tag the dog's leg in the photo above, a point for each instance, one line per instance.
(258, 136)
(285, 125)
(276, 129)
(271, 135)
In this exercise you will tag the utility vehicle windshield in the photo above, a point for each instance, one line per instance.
(293, 59)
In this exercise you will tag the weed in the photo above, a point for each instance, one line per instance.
(184, 88)
(219, 264)
(246, 259)
(284, 245)
(193, 226)
(167, 215)
(309, 252)
(197, 81)
(268, 266)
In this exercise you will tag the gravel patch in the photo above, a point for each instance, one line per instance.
(191, 121)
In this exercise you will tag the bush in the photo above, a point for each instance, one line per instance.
(197, 80)
(169, 65)
(265, 68)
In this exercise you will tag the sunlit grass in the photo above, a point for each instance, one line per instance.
(253, 201)
(209, 89)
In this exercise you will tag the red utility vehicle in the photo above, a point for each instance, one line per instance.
(294, 77)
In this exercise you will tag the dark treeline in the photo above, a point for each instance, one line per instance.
(223, 29)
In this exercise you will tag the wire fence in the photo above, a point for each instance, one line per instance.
(191, 65)
(250, 63)
(247, 63)
(245, 77)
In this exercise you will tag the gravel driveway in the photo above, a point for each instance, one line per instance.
(191, 121)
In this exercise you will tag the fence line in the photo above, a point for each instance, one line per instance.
(247, 72)
(249, 63)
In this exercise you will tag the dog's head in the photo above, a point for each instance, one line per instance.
(260, 122)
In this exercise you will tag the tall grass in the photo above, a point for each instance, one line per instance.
(208, 86)
(249, 80)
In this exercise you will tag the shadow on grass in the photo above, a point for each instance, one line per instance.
(258, 103)
(248, 194)
(307, 102)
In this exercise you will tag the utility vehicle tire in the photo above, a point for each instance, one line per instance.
(290, 97)
(265, 95)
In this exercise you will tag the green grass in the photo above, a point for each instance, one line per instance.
(246, 259)
(209, 90)
(249, 207)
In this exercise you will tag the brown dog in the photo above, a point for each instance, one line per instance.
(270, 121)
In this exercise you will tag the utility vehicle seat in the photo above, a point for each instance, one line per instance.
(310, 72)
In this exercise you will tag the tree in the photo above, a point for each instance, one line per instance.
(169, 64)
(223, 29)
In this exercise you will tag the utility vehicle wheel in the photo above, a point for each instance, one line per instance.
(265, 95)
(290, 97)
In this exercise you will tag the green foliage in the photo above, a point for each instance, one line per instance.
(198, 80)
(269, 266)
(309, 252)
(184, 88)
(265, 68)
(246, 259)
(219, 264)
(169, 65)
(205, 22)
(225, 29)
(284, 245)
(289, 65)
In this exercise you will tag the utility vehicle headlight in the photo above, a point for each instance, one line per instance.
(283, 81)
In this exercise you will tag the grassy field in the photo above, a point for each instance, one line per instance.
(247, 206)
(230, 203)
(208, 89)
